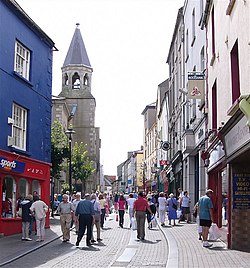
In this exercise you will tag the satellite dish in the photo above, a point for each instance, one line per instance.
(165, 145)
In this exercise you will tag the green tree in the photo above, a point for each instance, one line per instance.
(59, 148)
(82, 166)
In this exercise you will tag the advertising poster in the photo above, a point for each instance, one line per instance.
(241, 191)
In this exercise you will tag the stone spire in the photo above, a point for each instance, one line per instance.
(77, 53)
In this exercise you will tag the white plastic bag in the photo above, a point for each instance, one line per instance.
(153, 222)
(214, 232)
(134, 223)
(178, 212)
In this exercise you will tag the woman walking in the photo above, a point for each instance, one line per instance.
(185, 206)
(102, 206)
(122, 207)
(162, 208)
(130, 203)
(172, 207)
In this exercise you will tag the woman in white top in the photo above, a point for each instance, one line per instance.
(130, 202)
(39, 208)
(185, 206)
(162, 208)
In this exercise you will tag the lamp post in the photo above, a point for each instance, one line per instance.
(69, 132)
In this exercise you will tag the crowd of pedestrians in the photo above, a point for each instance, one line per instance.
(93, 210)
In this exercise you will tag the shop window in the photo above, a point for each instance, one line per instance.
(36, 187)
(8, 197)
(23, 188)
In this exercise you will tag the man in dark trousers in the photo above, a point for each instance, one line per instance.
(86, 216)
(140, 207)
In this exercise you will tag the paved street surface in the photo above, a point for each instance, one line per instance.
(120, 248)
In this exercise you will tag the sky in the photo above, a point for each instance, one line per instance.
(127, 42)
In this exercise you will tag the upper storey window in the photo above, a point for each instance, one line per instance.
(22, 60)
(19, 127)
(76, 81)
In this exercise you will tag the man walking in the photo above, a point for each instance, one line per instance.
(206, 215)
(140, 207)
(65, 209)
(86, 216)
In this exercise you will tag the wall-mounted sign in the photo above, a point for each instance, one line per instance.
(241, 191)
(196, 86)
(11, 165)
(164, 162)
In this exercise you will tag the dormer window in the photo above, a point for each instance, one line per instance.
(76, 81)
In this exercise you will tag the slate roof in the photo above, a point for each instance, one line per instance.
(77, 53)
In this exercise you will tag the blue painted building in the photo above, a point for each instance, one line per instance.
(26, 55)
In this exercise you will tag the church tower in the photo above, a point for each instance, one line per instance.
(76, 89)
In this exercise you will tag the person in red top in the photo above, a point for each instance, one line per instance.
(140, 207)
(121, 209)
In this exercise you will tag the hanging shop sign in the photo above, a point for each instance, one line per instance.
(196, 86)
(164, 162)
(241, 191)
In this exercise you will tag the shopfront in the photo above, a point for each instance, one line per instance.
(237, 146)
(19, 176)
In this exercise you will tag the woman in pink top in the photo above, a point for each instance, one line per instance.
(121, 210)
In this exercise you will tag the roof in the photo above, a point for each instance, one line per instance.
(14, 6)
(77, 53)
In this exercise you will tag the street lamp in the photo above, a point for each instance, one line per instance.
(70, 132)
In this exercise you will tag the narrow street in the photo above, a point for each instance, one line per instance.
(119, 248)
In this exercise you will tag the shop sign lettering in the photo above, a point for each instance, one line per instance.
(241, 191)
(12, 165)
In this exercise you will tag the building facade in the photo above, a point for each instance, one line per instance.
(26, 56)
(227, 151)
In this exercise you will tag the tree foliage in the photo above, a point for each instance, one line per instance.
(59, 148)
(82, 166)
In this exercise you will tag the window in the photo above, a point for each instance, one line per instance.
(193, 27)
(213, 34)
(202, 59)
(22, 188)
(22, 60)
(214, 106)
(19, 127)
(235, 73)
(201, 11)
(187, 46)
(76, 81)
(8, 197)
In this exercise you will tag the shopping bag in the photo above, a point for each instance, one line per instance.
(178, 212)
(134, 224)
(19, 212)
(214, 232)
(153, 222)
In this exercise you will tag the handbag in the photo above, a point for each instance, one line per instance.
(174, 206)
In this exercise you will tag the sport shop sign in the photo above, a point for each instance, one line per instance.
(196, 86)
(26, 168)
